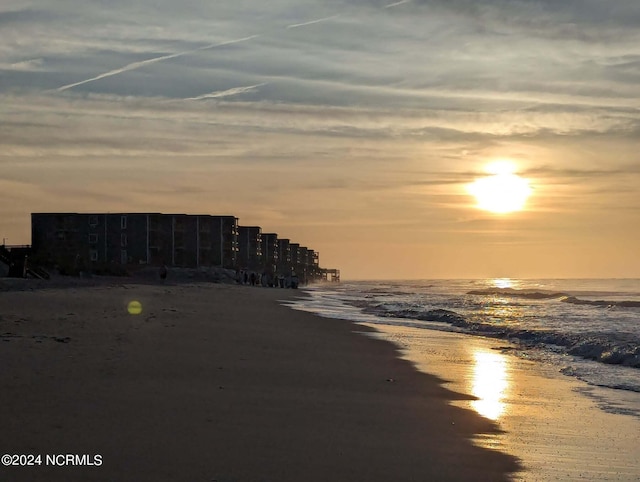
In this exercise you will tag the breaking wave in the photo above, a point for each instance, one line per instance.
(563, 297)
(610, 348)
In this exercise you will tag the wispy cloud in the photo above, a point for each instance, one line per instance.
(31, 65)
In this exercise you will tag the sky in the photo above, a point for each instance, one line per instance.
(352, 127)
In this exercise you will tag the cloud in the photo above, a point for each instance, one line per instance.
(594, 173)
(31, 65)
(426, 52)
(24, 16)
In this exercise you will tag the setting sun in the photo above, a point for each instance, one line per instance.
(502, 191)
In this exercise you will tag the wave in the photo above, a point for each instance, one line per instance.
(530, 295)
(563, 297)
(609, 348)
(603, 303)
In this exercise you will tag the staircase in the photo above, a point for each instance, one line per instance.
(38, 272)
(5, 256)
(15, 258)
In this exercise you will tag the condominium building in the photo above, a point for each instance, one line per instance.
(250, 247)
(94, 239)
(284, 255)
(294, 249)
(97, 242)
(270, 251)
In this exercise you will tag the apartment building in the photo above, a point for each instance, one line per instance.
(250, 247)
(78, 242)
(294, 249)
(81, 240)
(270, 251)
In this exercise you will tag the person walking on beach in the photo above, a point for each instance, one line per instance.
(163, 272)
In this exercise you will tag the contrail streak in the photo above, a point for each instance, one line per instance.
(142, 63)
(221, 44)
(137, 65)
(397, 3)
(296, 25)
(228, 92)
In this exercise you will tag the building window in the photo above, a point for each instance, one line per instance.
(93, 238)
(123, 256)
(93, 221)
(123, 240)
(94, 255)
(123, 222)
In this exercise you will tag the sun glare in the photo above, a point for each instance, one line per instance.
(502, 283)
(502, 191)
(489, 383)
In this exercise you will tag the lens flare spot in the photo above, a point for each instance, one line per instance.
(134, 307)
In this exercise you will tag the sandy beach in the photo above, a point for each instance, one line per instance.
(559, 427)
(220, 383)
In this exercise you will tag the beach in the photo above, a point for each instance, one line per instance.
(220, 382)
(558, 427)
(563, 416)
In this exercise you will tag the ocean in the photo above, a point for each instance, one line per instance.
(588, 329)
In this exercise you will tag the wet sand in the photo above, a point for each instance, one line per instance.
(221, 383)
(559, 427)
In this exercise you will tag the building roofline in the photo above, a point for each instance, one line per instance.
(133, 214)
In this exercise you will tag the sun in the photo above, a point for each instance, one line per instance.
(502, 191)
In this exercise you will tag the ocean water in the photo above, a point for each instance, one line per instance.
(588, 329)
(555, 363)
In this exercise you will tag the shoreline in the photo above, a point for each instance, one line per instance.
(559, 427)
(555, 425)
(222, 382)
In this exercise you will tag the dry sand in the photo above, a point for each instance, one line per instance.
(220, 383)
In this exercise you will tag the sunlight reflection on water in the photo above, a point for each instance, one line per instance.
(502, 283)
(489, 383)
